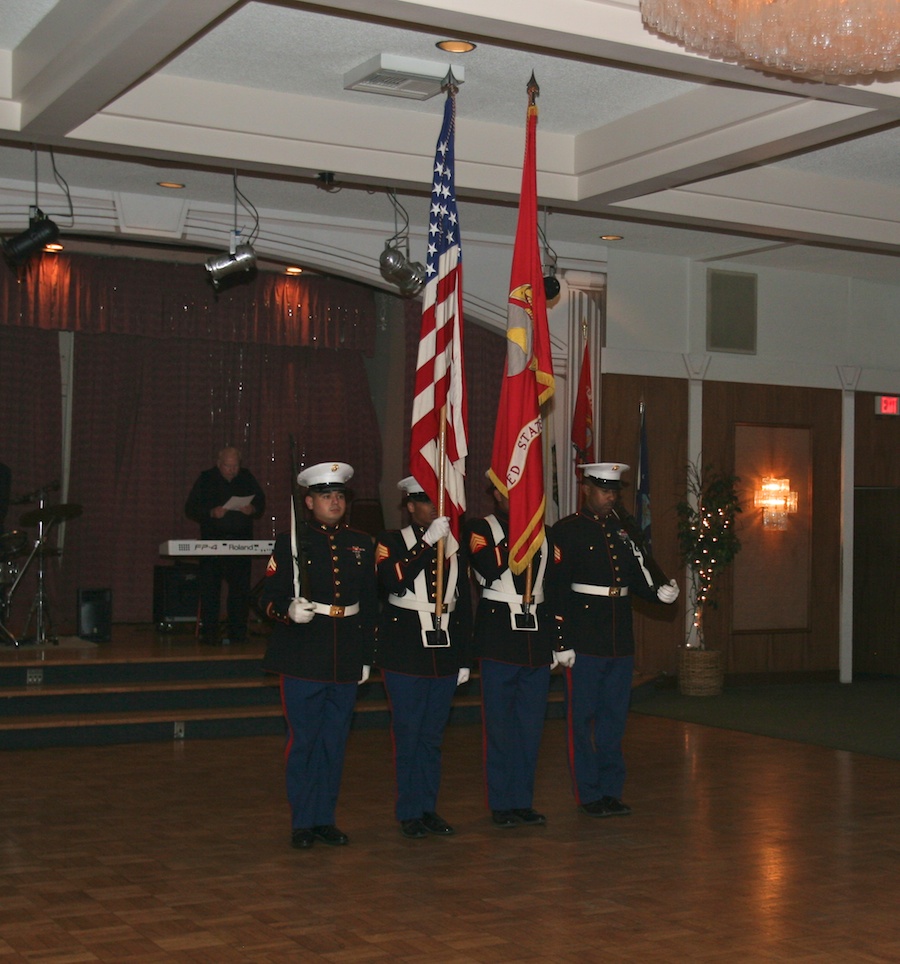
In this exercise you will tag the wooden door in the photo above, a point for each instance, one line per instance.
(876, 581)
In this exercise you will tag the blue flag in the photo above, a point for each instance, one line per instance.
(642, 499)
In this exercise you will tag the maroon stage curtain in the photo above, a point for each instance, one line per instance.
(31, 412)
(150, 414)
(165, 300)
(166, 373)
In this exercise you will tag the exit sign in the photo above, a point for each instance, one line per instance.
(887, 404)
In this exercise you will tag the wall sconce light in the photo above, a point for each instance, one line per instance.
(408, 276)
(775, 498)
(240, 257)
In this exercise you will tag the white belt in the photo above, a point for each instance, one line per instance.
(338, 612)
(590, 590)
(509, 597)
(420, 606)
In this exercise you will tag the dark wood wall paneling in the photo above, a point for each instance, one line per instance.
(876, 547)
(877, 455)
(659, 631)
(726, 405)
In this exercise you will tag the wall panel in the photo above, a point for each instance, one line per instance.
(727, 404)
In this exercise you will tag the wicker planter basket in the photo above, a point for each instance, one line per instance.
(700, 672)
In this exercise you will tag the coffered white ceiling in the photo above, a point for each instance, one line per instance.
(679, 154)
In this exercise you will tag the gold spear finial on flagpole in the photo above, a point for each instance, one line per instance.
(534, 91)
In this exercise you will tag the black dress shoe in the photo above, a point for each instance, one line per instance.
(504, 818)
(414, 829)
(328, 833)
(435, 824)
(606, 807)
(302, 838)
(529, 816)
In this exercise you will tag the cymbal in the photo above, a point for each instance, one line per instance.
(51, 513)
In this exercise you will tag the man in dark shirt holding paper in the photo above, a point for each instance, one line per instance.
(225, 500)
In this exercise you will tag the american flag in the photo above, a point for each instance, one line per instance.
(642, 500)
(440, 375)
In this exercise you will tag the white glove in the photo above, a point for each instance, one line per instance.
(462, 677)
(439, 529)
(365, 674)
(668, 593)
(301, 610)
(566, 659)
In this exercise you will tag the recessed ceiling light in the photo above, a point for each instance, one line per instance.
(293, 269)
(455, 46)
(611, 237)
(172, 185)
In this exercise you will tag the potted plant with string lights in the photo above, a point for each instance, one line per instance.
(708, 542)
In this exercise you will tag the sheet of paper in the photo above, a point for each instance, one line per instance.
(238, 502)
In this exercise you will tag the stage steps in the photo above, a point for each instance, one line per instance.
(100, 702)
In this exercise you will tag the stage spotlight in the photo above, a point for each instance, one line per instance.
(396, 267)
(40, 231)
(222, 266)
(551, 283)
(240, 258)
(408, 276)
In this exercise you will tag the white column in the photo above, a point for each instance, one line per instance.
(849, 379)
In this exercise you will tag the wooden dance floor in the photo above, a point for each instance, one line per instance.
(740, 848)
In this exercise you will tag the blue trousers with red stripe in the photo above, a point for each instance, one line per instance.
(513, 706)
(420, 708)
(318, 716)
(598, 693)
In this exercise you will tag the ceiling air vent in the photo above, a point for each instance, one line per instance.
(401, 77)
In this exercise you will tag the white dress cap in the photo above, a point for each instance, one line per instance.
(605, 474)
(410, 486)
(326, 475)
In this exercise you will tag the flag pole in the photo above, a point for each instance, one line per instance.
(439, 577)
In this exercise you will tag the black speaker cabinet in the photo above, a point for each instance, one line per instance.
(94, 614)
(176, 594)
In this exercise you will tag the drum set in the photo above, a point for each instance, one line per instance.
(18, 552)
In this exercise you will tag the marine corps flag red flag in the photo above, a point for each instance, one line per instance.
(583, 417)
(517, 468)
(439, 415)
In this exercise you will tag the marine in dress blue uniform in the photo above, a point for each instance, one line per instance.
(516, 645)
(596, 570)
(421, 662)
(321, 646)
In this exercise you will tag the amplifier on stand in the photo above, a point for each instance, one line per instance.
(176, 595)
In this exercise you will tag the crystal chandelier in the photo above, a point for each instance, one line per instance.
(818, 38)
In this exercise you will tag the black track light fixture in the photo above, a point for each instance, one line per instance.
(41, 230)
